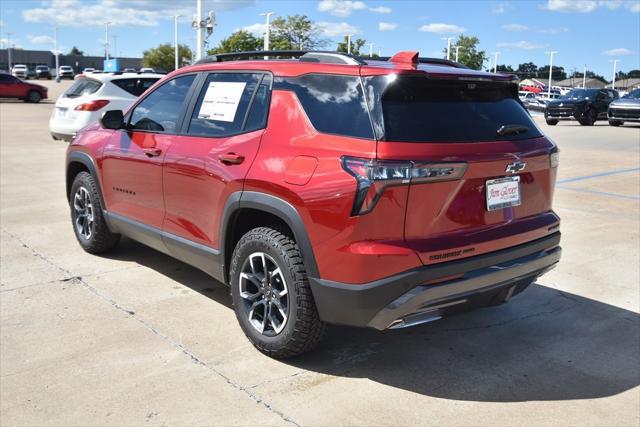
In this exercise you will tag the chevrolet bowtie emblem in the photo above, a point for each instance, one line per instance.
(515, 167)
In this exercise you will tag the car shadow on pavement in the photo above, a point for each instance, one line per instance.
(543, 345)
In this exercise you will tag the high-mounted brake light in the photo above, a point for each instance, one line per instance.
(92, 105)
(373, 176)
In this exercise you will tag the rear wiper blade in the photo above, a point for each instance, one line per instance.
(511, 130)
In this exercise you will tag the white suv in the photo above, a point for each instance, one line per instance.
(20, 71)
(91, 95)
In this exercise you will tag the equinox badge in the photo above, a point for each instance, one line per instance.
(515, 167)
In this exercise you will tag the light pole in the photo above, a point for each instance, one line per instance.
(551, 53)
(371, 50)
(448, 39)
(175, 40)
(199, 29)
(55, 52)
(380, 51)
(106, 40)
(495, 61)
(349, 43)
(267, 29)
(457, 51)
(584, 77)
(613, 80)
(9, 50)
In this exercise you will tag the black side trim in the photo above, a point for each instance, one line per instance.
(281, 209)
(357, 304)
(87, 161)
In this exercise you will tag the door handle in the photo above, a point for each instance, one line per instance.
(231, 158)
(152, 152)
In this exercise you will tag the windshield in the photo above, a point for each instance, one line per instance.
(634, 94)
(42, 67)
(419, 109)
(581, 94)
(82, 87)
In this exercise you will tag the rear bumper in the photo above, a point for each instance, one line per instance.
(63, 136)
(405, 299)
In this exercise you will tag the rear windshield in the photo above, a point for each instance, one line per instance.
(419, 109)
(135, 86)
(581, 94)
(82, 87)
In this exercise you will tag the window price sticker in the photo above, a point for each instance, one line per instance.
(221, 101)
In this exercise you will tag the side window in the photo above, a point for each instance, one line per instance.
(335, 104)
(224, 101)
(160, 110)
(135, 87)
(257, 118)
(5, 78)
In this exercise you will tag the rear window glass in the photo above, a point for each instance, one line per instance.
(335, 104)
(135, 87)
(82, 87)
(419, 109)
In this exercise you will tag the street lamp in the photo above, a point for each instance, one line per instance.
(584, 77)
(551, 53)
(448, 39)
(613, 80)
(371, 50)
(349, 43)
(457, 50)
(106, 39)
(56, 53)
(9, 49)
(267, 29)
(175, 40)
(495, 61)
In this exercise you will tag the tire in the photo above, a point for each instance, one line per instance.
(33, 97)
(590, 118)
(87, 219)
(615, 123)
(273, 334)
(552, 122)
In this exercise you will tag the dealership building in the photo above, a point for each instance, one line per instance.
(31, 58)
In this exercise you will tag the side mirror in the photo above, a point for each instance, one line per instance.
(113, 119)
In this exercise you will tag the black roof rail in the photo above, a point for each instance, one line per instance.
(434, 61)
(302, 55)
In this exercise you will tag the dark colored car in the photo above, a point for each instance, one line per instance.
(43, 72)
(12, 87)
(584, 105)
(324, 188)
(625, 109)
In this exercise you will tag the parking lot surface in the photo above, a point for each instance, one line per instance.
(137, 338)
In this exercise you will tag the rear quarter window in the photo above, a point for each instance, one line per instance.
(82, 87)
(135, 86)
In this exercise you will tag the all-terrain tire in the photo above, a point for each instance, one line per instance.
(101, 239)
(303, 329)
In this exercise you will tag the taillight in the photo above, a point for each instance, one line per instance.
(554, 159)
(373, 176)
(92, 105)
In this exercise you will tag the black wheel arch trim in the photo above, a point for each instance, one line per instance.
(275, 206)
(89, 163)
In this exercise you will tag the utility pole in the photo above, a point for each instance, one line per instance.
(584, 77)
(267, 29)
(613, 80)
(448, 39)
(106, 40)
(175, 41)
(371, 50)
(551, 53)
(349, 43)
(199, 29)
(9, 50)
(457, 51)
(495, 61)
(56, 53)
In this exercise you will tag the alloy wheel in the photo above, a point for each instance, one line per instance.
(264, 293)
(83, 209)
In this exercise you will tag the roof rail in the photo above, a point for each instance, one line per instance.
(434, 61)
(302, 55)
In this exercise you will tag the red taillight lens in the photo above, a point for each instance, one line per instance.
(373, 176)
(92, 106)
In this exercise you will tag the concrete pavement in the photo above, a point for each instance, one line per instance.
(136, 337)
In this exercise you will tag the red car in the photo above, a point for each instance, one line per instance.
(326, 189)
(12, 87)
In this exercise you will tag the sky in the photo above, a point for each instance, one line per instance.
(583, 32)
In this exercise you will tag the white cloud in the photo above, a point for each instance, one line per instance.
(258, 29)
(4, 42)
(521, 45)
(140, 13)
(442, 28)
(380, 9)
(500, 7)
(586, 6)
(620, 51)
(553, 30)
(387, 26)
(333, 29)
(515, 27)
(40, 39)
(341, 8)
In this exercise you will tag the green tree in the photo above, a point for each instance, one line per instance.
(527, 70)
(162, 57)
(75, 51)
(356, 45)
(504, 69)
(634, 74)
(469, 54)
(295, 32)
(240, 41)
(557, 74)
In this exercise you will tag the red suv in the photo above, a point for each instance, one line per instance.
(326, 189)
